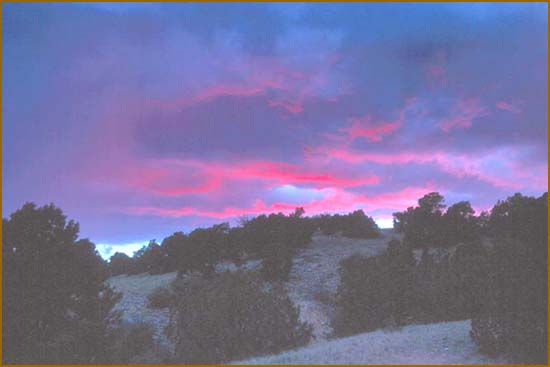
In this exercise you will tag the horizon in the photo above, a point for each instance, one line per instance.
(140, 120)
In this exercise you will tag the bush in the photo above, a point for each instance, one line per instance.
(391, 289)
(329, 224)
(232, 316)
(161, 297)
(277, 265)
(136, 339)
(352, 225)
(512, 318)
(134, 344)
(374, 291)
(275, 239)
(120, 263)
(358, 225)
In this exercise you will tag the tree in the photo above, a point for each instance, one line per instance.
(422, 226)
(513, 315)
(461, 226)
(173, 247)
(120, 263)
(275, 239)
(358, 225)
(154, 258)
(202, 248)
(56, 305)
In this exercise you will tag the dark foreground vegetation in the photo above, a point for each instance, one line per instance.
(232, 316)
(491, 268)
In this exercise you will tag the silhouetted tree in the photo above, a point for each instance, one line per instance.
(120, 263)
(460, 224)
(275, 239)
(358, 225)
(352, 225)
(202, 249)
(174, 247)
(422, 226)
(154, 258)
(513, 313)
(56, 306)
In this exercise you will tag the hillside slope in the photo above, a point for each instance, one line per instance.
(442, 343)
(313, 280)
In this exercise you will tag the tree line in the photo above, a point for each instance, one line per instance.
(273, 239)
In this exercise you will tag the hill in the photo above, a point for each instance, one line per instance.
(313, 283)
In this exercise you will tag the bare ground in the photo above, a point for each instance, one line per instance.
(314, 277)
(442, 344)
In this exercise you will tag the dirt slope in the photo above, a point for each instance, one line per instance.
(315, 276)
(442, 343)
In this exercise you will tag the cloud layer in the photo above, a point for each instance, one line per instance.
(143, 119)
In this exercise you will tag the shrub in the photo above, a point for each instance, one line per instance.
(329, 224)
(133, 342)
(358, 225)
(161, 297)
(512, 318)
(352, 225)
(275, 239)
(232, 316)
(277, 265)
(120, 263)
(374, 291)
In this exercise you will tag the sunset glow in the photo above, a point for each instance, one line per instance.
(140, 120)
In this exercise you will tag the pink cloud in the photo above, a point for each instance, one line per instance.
(173, 177)
(462, 114)
(496, 168)
(290, 106)
(507, 106)
(287, 85)
(335, 200)
(363, 128)
(296, 174)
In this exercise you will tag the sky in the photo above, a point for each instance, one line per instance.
(139, 120)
